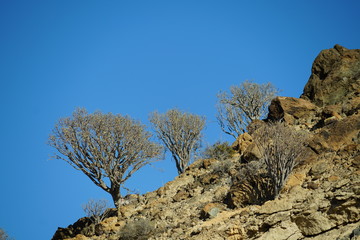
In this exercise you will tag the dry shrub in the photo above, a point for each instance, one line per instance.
(282, 148)
(257, 184)
(219, 151)
(250, 186)
(137, 230)
(96, 210)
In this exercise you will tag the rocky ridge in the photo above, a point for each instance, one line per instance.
(321, 199)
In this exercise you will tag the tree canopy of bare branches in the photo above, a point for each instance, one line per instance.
(96, 210)
(180, 132)
(244, 104)
(104, 146)
(282, 148)
(3, 235)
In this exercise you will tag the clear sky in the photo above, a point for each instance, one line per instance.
(134, 57)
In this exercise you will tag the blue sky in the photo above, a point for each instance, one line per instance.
(134, 57)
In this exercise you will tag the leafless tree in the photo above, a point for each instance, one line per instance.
(96, 210)
(3, 235)
(180, 132)
(244, 104)
(104, 146)
(282, 148)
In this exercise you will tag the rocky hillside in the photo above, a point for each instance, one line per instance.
(213, 200)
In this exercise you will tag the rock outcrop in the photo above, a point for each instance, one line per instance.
(211, 199)
(335, 77)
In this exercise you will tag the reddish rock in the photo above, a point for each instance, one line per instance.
(211, 210)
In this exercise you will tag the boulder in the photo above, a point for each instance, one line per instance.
(318, 169)
(83, 226)
(338, 135)
(210, 210)
(246, 147)
(251, 153)
(313, 223)
(242, 142)
(335, 76)
(293, 111)
(181, 195)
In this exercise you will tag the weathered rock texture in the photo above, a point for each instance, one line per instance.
(211, 199)
(334, 77)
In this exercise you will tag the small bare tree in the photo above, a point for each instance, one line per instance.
(282, 148)
(96, 210)
(244, 104)
(104, 146)
(180, 132)
(3, 235)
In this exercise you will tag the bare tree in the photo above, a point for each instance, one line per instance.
(97, 211)
(230, 119)
(180, 132)
(244, 104)
(3, 235)
(282, 148)
(104, 146)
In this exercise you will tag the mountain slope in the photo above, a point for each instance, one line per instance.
(321, 199)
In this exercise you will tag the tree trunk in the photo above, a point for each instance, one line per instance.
(115, 194)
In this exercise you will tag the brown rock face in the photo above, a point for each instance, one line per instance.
(242, 143)
(292, 110)
(246, 147)
(337, 135)
(335, 76)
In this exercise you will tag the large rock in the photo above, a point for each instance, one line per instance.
(335, 76)
(313, 223)
(83, 226)
(246, 147)
(242, 143)
(292, 110)
(337, 135)
(211, 210)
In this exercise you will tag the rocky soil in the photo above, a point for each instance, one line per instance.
(321, 199)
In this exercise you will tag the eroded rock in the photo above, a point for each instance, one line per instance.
(335, 76)
(293, 111)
